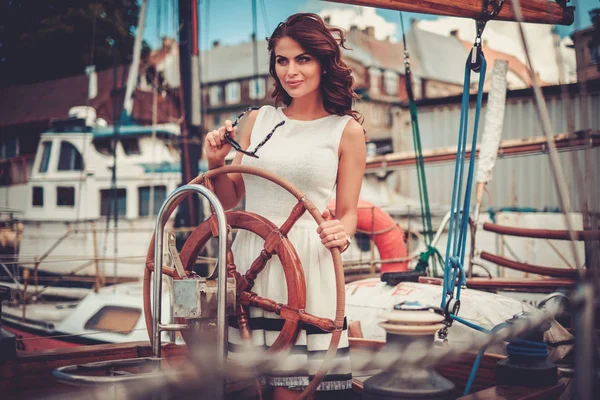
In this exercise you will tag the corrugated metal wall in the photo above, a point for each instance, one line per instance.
(524, 181)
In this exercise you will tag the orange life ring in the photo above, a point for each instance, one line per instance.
(388, 237)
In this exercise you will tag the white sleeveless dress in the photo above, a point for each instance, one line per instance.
(306, 154)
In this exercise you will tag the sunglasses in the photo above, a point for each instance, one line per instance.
(236, 146)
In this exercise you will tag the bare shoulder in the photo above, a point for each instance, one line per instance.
(248, 124)
(353, 137)
(252, 115)
(354, 130)
(251, 119)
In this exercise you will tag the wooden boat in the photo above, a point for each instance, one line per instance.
(41, 367)
(30, 374)
(17, 376)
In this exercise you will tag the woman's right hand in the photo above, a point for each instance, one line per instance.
(216, 147)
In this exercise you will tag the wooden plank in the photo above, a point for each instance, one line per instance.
(537, 11)
(507, 148)
(590, 235)
(16, 376)
(536, 285)
(530, 268)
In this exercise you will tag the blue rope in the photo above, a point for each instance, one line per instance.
(459, 219)
(527, 348)
(515, 348)
(470, 324)
(477, 361)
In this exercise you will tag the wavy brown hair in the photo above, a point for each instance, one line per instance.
(318, 40)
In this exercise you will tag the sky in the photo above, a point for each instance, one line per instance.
(230, 21)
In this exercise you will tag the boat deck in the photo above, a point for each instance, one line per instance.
(30, 374)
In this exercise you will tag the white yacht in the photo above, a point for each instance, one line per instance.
(69, 233)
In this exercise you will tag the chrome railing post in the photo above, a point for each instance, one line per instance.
(161, 221)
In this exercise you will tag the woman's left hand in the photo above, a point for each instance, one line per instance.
(332, 232)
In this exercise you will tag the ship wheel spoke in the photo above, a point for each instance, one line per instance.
(286, 312)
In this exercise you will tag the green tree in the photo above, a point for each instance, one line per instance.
(49, 39)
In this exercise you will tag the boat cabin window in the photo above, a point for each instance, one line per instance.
(116, 319)
(37, 196)
(65, 196)
(131, 146)
(106, 202)
(69, 158)
(46, 150)
(104, 146)
(144, 195)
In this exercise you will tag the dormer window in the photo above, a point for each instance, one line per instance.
(69, 158)
(375, 79)
(390, 82)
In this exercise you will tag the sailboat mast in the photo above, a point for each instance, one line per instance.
(254, 46)
(135, 62)
(190, 89)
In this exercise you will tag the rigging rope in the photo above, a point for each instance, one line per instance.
(459, 216)
(263, 10)
(431, 251)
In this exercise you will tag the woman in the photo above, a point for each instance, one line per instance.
(320, 146)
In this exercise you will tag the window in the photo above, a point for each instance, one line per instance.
(9, 148)
(232, 93)
(216, 95)
(37, 196)
(121, 320)
(106, 202)
(104, 146)
(417, 88)
(69, 158)
(257, 88)
(383, 146)
(374, 80)
(594, 52)
(390, 81)
(65, 196)
(376, 115)
(131, 146)
(160, 194)
(389, 118)
(45, 161)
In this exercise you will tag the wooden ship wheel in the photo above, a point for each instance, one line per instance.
(276, 243)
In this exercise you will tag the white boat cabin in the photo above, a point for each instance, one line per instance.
(71, 176)
(70, 188)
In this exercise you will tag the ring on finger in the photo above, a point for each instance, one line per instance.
(334, 236)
